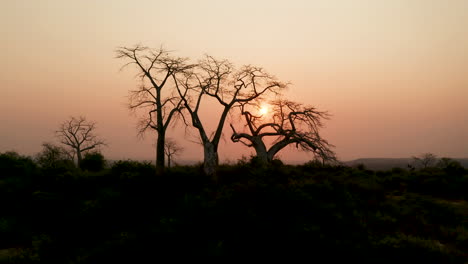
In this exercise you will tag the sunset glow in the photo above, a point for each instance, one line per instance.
(135, 129)
(378, 67)
(263, 110)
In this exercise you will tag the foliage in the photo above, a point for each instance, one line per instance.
(93, 161)
(130, 169)
(125, 213)
(16, 180)
(53, 157)
(15, 165)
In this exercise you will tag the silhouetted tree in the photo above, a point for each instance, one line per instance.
(425, 159)
(155, 95)
(289, 123)
(171, 148)
(78, 134)
(229, 87)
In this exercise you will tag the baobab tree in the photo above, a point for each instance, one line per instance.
(288, 123)
(171, 148)
(156, 95)
(79, 135)
(219, 80)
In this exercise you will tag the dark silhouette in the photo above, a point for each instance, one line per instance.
(171, 148)
(52, 155)
(93, 161)
(155, 95)
(125, 213)
(78, 134)
(229, 87)
(289, 123)
(425, 160)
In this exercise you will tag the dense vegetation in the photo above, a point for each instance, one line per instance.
(56, 213)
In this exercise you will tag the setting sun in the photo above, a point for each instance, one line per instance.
(263, 110)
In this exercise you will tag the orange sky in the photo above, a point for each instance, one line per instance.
(394, 74)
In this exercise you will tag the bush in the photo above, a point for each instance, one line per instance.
(16, 177)
(131, 169)
(54, 158)
(14, 165)
(93, 161)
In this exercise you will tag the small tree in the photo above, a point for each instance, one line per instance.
(172, 149)
(78, 134)
(425, 160)
(289, 123)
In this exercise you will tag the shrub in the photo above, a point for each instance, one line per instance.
(93, 161)
(130, 169)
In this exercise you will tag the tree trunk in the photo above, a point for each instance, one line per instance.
(261, 150)
(210, 160)
(270, 156)
(278, 146)
(160, 155)
(79, 157)
(169, 161)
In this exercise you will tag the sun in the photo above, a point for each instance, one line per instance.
(263, 110)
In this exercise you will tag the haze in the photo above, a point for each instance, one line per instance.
(393, 74)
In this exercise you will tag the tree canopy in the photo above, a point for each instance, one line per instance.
(288, 123)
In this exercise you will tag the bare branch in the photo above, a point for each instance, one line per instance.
(156, 67)
(291, 123)
(171, 149)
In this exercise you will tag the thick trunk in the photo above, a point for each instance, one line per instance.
(79, 157)
(210, 160)
(260, 148)
(279, 146)
(270, 156)
(160, 155)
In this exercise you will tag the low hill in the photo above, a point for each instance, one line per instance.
(389, 163)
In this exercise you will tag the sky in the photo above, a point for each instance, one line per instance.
(392, 74)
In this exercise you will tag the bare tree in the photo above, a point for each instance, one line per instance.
(172, 149)
(78, 134)
(156, 95)
(425, 160)
(229, 87)
(289, 123)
